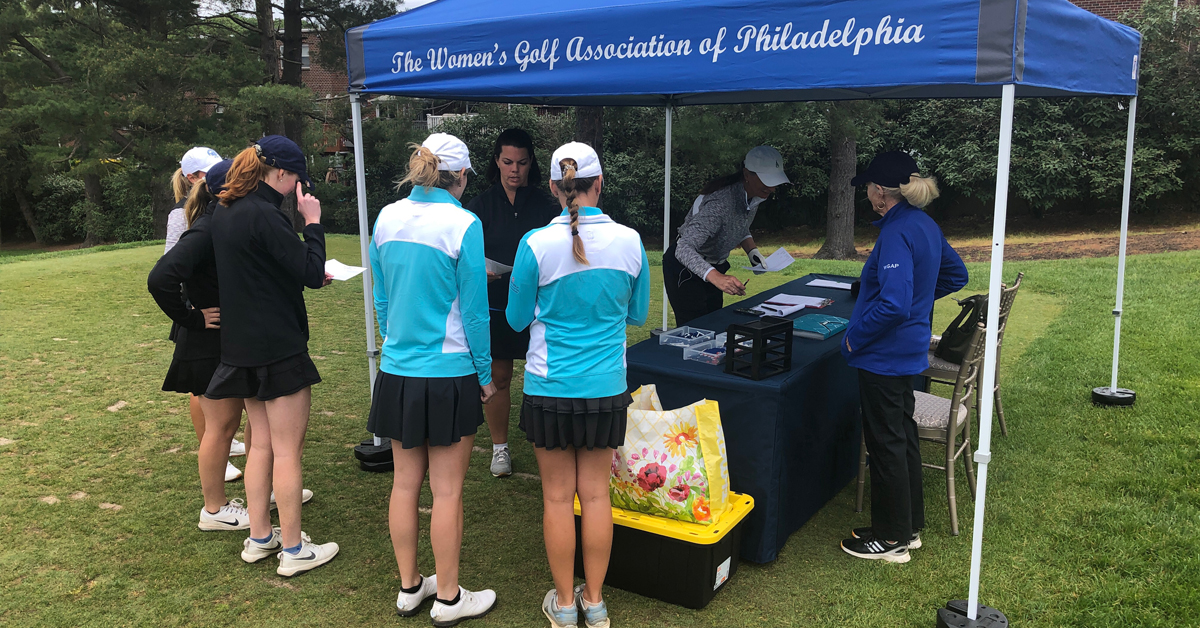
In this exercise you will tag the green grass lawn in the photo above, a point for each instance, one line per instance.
(1092, 514)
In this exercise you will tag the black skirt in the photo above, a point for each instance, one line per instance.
(280, 379)
(190, 376)
(558, 423)
(434, 411)
(507, 344)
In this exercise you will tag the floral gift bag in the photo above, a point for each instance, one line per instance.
(673, 463)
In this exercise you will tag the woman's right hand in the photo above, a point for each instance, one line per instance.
(212, 317)
(308, 206)
(727, 283)
(492, 277)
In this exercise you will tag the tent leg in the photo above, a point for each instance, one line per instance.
(984, 455)
(666, 209)
(1111, 395)
(364, 235)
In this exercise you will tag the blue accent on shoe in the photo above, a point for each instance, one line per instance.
(593, 614)
(294, 550)
(561, 616)
(264, 540)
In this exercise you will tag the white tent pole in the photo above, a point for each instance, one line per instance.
(1124, 237)
(667, 210)
(984, 455)
(364, 234)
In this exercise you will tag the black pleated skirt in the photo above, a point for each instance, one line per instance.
(278, 379)
(558, 423)
(190, 376)
(434, 411)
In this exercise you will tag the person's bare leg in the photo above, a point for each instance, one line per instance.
(593, 469)
(260, 461)
(245, 432)
(197, 414)
(497, 408)
(447, 469)
(557, 468)
(288, 421)
(221, 418)
(409, 475)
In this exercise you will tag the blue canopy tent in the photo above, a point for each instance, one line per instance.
(673, 53)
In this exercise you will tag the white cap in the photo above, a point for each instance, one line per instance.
(767, 163)
(587, 163)
(198, 159)
(452, 153)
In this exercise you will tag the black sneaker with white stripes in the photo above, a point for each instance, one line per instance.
(914, 542)
(872, 548)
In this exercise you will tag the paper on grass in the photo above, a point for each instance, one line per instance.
(784, 304)
(342, 272)
(496, 268)
(776, 261)
(825, 283)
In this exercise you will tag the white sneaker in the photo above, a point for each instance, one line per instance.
(231, 516)
(408, 604)
(305, 497)
(253, 552)
(310, 556)
(237, 448)
(231, 472)
(471, 605)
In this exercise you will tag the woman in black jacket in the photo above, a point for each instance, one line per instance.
(184, 284)
(264, 269)
(508, 209)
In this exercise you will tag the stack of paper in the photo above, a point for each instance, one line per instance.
(784, 304)
(342, 272)
(825, 283)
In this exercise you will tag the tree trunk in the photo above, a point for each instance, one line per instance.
(839, 227)
(268, 52)
(162, 199)
(95, 198)
(27, 212)
(589, 128)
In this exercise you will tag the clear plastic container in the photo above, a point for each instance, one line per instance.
(705, 352)
(685, 336)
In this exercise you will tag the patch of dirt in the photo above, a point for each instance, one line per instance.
(1088, 247)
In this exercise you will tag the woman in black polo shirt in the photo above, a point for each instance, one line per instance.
(263, 270)
(508, 209)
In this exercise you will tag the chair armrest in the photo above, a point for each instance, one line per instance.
(933, 342)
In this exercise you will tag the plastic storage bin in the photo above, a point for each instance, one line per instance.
(706, 353)
(673, 561)
(679, 337)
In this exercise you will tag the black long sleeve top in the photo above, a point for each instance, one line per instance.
(183, 282)
(505, 223)
(264, 268)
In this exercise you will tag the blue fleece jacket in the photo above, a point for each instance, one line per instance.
(911, 266)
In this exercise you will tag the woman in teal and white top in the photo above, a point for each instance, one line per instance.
(576, 284)
(436, 369)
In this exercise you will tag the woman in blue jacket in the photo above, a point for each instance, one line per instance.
(576, 283)
(887, 340)
(436, 370)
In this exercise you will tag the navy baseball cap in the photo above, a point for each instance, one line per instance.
(888, 170)
(215, 179)
(278, 151)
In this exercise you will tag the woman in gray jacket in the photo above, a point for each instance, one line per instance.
(694, 267)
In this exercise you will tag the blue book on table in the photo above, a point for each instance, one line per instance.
(818, 326)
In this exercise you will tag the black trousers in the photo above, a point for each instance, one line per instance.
(897, 495)
(691, 297)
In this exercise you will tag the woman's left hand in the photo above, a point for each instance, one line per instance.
(328, 279)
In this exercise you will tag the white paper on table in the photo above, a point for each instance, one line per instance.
(776, 261)
(784, 304)
(342, 272)
(825, 283)
(496, 268)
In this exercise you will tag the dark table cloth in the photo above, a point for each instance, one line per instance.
(792, 439)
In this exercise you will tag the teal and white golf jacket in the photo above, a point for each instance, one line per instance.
(431, 288)
(577, 313)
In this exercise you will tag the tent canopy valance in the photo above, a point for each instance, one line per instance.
(691, 52)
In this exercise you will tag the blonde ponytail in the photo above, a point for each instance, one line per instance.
(571, 187)
(245, 173)
(423, 170)
(919, 191)
(197, 201)
(180, 185)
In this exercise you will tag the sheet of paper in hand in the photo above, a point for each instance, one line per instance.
(776, 261)
(496, 268)
(342, 272)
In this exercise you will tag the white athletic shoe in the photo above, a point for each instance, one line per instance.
(253, 552)
(231, 472)
(231, 516)
(310, 556)
(305, 497)
(237, 448)
(471, 605)
(409, 604)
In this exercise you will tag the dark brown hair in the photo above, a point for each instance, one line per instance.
(725, 181)
(516, 138)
